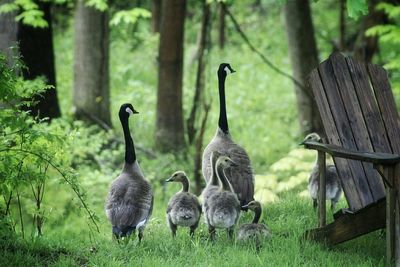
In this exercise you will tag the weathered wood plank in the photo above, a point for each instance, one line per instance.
(344, 130)
(390, 217)
(336, 151)
(384, 96)
(343, 167)
(361, 110)
(322, 189)
(349, 226)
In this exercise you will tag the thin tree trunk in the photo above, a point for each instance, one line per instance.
(204, 29)
(221, 25)
(304, 57)
(342, 25)
(156, 15)
(365, 47)
(36, 48)
(91, 66)
(8, 33)
(169, 123)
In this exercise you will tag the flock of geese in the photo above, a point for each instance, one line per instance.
(227, 170)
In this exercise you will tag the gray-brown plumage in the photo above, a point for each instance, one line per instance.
(222, 208)
(183, 208)
(255, 231)
(333, 187)
(240, 177)
(130, 199)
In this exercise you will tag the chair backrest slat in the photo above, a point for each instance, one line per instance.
(358, 113)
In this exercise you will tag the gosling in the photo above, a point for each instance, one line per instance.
(254, 231)
(183, 208)
(333, 187)
(222, 208)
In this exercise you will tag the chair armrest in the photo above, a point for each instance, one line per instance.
(337, 151)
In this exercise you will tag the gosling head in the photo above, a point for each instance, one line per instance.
(177, 176)
(312, 137)
(126, 110)
(252, 205)
(225, 69)
(225, 162)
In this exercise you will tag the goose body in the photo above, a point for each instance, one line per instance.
(333, 187)
(222, 208)
(129, 203)
(183, 208)
(254, 231)
(241, 177)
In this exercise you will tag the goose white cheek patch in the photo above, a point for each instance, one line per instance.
(129, 111)
(227, 70)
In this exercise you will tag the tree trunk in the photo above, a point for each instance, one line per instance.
(221, 25)
(304, 57)
(36, 48)
(91, 66)
(8, 33)
(365, 47)
(169, 123)
(156, 15)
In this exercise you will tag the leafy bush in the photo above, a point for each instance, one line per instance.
(32, 151)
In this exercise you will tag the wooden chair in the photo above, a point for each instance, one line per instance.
(362, 129)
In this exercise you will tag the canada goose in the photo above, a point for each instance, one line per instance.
(254, 231)
(333, 187)
(213, 183)
(241, 177)
(183, 208)
(222, 208)
(130, 200)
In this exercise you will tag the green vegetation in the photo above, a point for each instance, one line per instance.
(263, 119)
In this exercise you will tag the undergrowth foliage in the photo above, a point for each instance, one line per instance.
(32, 152)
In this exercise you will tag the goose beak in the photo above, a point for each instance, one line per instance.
(169, 180)
(233, 71)
(245, 206)
(135, 111)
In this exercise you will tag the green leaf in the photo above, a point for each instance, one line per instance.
(357, 8)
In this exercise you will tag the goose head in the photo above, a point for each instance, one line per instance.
(178, 176)
(312, 137)
(225, 162)
(126, 110)
(225, 69)
(252, 205)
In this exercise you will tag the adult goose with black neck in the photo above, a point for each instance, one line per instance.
(130, 199)
(240, 177)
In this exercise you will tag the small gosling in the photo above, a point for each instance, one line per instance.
(333, 187)
(183, 208)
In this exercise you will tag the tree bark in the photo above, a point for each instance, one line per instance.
(91, 66)
(8, 33)
(199, 86)
(221, 25)
(36, 48)
(169, 122)
(156, 14)
(365, 47)
(304, 57)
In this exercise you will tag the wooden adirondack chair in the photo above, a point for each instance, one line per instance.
(362, 130)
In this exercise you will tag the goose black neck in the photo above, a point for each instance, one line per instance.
(257, 214)
(130, 155)
(185, 185)
(225, 185)
(223, 121)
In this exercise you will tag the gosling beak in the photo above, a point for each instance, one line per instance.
(245, 206)
(302, 143)
(169, 180)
